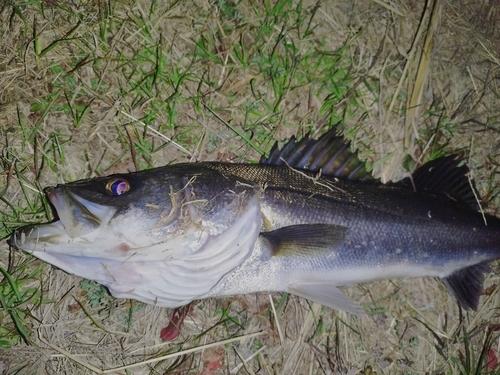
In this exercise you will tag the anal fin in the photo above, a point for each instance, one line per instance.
(466, 284)
(325, 294)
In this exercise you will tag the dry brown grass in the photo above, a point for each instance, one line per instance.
(419, 82)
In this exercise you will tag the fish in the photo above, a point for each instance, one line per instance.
(307, 220)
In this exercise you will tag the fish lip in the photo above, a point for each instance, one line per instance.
(31, 238)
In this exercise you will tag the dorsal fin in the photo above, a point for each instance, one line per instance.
(445, 176)
(330, 153)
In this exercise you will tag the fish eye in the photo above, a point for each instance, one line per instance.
(117, 186)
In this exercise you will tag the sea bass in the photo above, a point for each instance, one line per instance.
(306, 220)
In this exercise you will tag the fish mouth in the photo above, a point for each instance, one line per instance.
(75, 217)
(78, 216)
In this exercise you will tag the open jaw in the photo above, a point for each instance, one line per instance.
(78, 216)
(76, 219)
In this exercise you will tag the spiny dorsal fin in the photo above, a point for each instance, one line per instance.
(445, 176)
(466, 284)
(330, 153)
(305, 240)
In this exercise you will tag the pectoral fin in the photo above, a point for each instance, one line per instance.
(325, 294)
(305, 240)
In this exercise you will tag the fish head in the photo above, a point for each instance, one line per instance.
(106, 217)
(163, 236)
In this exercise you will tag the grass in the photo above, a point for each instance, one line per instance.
(93, 88)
